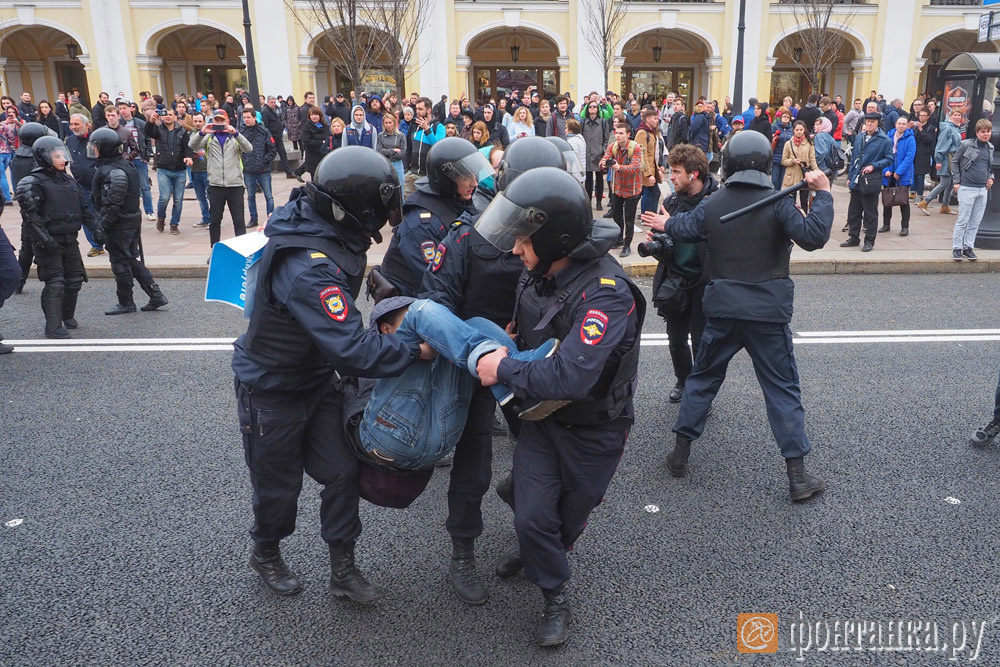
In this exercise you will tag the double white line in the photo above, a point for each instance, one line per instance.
(648, 340)
(886, 336)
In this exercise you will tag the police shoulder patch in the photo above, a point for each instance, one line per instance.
(608, 282)
(316, 255)
(438, 257)
(595, 323)
(424, 215)
(334, 303)
(427, 250)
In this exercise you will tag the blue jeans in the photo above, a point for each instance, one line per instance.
(86, 229)
(147, 196)
(5, 159)
(200, 181)
(252, 181)
(417, 418)
(170, 183)
(398, 166)
(777, 175)
(650, 198)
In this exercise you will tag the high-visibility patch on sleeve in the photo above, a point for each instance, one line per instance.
(334, 303)
(595, 324)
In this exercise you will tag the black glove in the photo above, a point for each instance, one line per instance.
(44, 243)
(97, 231)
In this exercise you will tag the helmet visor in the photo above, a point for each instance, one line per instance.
(474, 166)
(93, 150)
(504, 223)
(392, 197)
(57, 156)
(572, 160)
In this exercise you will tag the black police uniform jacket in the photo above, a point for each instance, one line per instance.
(472, 277)
(748, 256)
(116, 195)
(426, 219)
(52, 204)
(304, 323)
(597, 313)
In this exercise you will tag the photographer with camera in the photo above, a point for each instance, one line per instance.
(624, 157)
(682, 268)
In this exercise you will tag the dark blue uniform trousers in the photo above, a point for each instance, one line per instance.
(769, 345)
(560, 476)
(471, 470)
(284, 435)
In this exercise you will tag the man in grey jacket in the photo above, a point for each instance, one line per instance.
(971, 178)
(224, 150)
(949, 139)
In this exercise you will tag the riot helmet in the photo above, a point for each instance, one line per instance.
(355, 185)
(550, 207)
(32, 132)
(570, 159)
(747, 159)
(105, 144)
(455, 163)
(524, 154)
(51, 153)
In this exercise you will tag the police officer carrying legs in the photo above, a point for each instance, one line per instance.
(116, 196)
(748, 302)
(574, 291)
(473, 278)
(20, 166)
(304, 331)
(53, 207)
(454, 169)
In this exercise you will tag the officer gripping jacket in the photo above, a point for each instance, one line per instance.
(116, 197)
(473, 278)
(305, 331)
(454, 170)
(569, 448)
(53, 207)
(748, 301)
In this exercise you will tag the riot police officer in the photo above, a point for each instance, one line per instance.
(454, 170)
(304, 331)
(567, 454)
(53, 207)
(116, 197)
(748, 301)
(20, 166)
(473, 278)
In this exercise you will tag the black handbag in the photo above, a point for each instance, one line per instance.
(672, 297)
(870, 183)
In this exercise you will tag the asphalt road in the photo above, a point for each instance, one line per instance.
(127, 472)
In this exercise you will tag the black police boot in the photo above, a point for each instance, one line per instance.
(676, 394)
(553, 629)
(677, 460)
(346, 579)
(20, 286)
(462, 570)
(267, 562)
(156, 298)
(126, 304)
(801, 484)
(52, 304)
(509, 563)
(69, 307)
(505, 489)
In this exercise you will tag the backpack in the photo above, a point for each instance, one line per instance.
(837, 158)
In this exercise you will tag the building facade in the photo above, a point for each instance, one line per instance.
(477, 47)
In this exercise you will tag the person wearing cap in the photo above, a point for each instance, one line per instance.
(872, 152)
(224, 149)
(341, 109)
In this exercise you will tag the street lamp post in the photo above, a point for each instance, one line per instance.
(738, 79)
(251, 63)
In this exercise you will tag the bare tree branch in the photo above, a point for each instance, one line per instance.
(821, 45)
(602, 25)
(400, 23)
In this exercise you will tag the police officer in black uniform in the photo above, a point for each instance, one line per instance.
(748, 301)
(454, 169)
(573, 290)
(116, 197)
(473, 278)
(20, 166)
(305, 330)
(53, 207)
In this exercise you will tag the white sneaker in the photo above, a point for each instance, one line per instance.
(152, 217)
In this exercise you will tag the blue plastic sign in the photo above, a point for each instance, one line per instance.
(232, 259)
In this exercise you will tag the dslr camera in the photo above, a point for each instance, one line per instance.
(660, 248)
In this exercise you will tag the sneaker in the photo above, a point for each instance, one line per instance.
(94, 252)
(159, 224)
(956, 255)
(986, 434)
(174, 230)
(541, 410)
(922, 205)
(200, 225)
(151, 216)
(969, 255)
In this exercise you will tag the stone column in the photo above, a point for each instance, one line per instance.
(178, 79)
(307, 69)
(918, 71)
(150, 73)
(462, 65)
(841, 82)
(14, 84)
(714, 83)
(564, 74)
(36, 73)
(433, 51)
(896, 43)
(272, 48)
(862, 76)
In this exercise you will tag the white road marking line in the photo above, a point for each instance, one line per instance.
(122, 341)
(125, 348)
(903, 332)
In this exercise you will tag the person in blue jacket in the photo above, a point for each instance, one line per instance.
(359, 132)
(782, 132)
(872, 153)
(699, 132)
(900, 172)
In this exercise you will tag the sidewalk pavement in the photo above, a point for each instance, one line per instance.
(927, 249)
